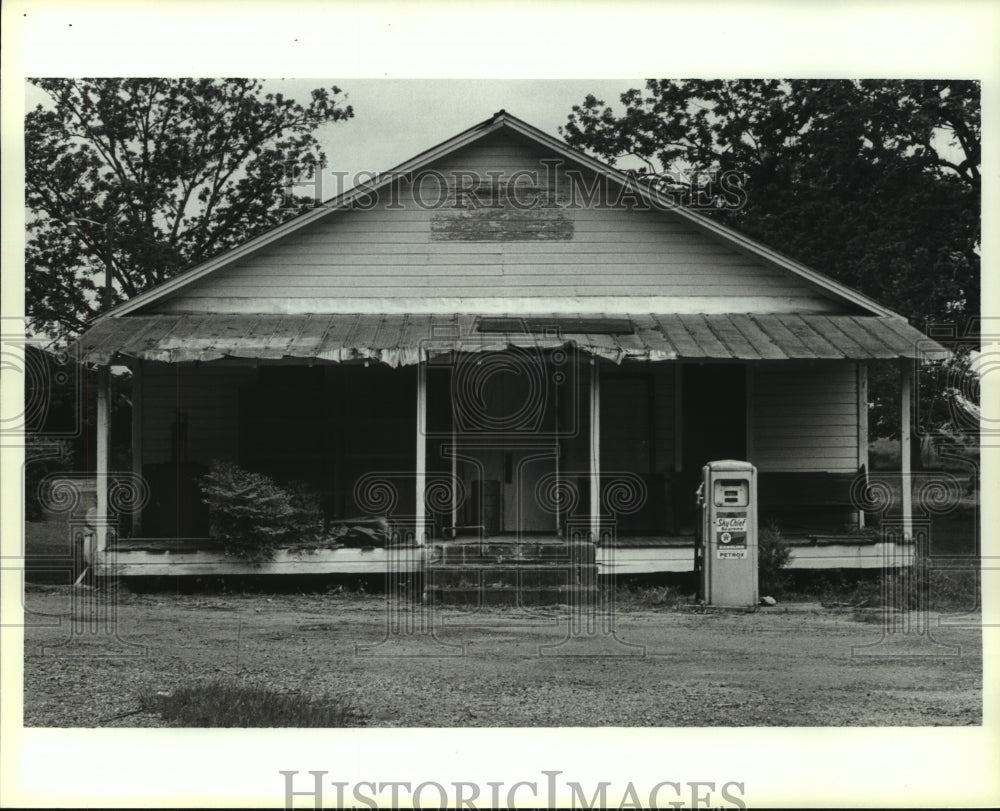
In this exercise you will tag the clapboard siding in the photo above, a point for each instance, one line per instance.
(398, 249)
(210, 398)
(805, 418)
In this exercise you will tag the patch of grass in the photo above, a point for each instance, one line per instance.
(662, 596)
(869, 616)
(839, 588)
(224, 702)
(921, 586)
(944, 589)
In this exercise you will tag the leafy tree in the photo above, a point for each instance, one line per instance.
(151, 176)
(875, 183)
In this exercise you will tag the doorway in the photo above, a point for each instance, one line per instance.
(714, 420)
(506, 405)
(522, 405)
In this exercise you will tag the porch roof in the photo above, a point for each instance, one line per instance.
(406, 339)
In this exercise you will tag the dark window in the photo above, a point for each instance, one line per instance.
(556, 325)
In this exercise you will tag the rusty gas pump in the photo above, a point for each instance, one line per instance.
(726, 534)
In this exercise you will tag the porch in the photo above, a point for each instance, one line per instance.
(517, 436)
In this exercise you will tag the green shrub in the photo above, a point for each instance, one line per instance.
(773, 555)
(253, 515)
(42, 457)
(227, 703)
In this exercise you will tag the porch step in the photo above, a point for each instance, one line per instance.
(509, 595)
(512, 573)
(512, 576)
(491, 552)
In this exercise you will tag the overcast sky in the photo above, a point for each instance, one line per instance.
(397, 119)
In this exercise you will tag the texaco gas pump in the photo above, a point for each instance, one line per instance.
(726, 541)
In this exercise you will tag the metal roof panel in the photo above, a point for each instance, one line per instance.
(408, 339)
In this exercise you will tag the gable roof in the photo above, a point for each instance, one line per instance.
(500, 121)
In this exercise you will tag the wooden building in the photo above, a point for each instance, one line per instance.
(507, 337)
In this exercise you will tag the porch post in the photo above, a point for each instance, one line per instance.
(905, 430)
(862, 368)
(421, 477)
(454, 475)
(595, 450)
(555, 440)
(678, 417)
(103, 447)
(137, 439)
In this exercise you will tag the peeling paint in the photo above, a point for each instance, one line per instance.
(501, 225)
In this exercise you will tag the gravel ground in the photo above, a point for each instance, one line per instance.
(781, 666)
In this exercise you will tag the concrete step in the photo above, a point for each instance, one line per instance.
(523, 576)
(510, 595)
(510, 572)
(511, 553)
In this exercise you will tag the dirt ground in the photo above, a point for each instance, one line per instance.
(792, 665)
